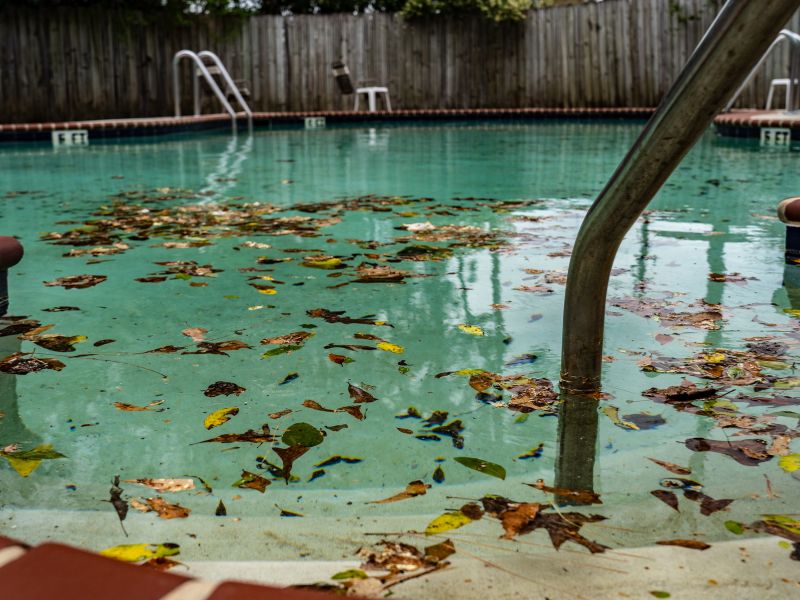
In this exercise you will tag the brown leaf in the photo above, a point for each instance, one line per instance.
(162, 563)
(198, 334)
(252, 481)
(672, 467)
(294, 339)
(165, 485)
(440, 551)
(316, 406)
(566, 494)
(708, 505)
(166, 349)
(694, 544)
(663, 338)
(226, 388)
(749, 452)
(288, 456)
(415, 488)
(77, 281)
(339, 359)
(359, 395)
(133, 408)
(516, 519)
(481, 381)
(280, 413)
(668, 498)
(166, 510)
(252, 436)
(16, 364)
(219, 347)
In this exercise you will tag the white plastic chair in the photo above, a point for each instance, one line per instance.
(777, 83)
(342, 75)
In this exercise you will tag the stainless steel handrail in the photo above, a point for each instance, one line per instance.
(196, 85)
(785, 34)
(736, 40)
(228, 81)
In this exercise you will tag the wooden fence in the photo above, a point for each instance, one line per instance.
(79, 64)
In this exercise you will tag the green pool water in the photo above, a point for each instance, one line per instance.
(528, 183)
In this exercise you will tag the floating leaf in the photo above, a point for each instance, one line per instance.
(567, 494)
(280, 350)
(252, 481)
(288, 456)
(387, 347)
(220, 416)
(660, 594)
(694, 544)
(668, 498)
(134, 408)
(789, 463)
(350, 574)
(672, 467)
(415, 488)
(77, 281)
(340, 359)
(523, 359)
(288, 513)
(447, 522)
(359, 395)
(140, 552)
(734, 527)
(252, 436)
(750, 452)
(25, 462)
(612, 412)
(336, 459)
(289, 378)
(291, 339)
(165, 485)
(166, 510)
(533, 452)
(471, 329)
(17, 364)
(223, 388)
(514, 520)
(482, 466)
(302, 434)
(438, 474)
(198, 334)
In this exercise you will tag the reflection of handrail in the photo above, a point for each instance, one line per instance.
(228, 81)
(785, 34)
(196, 87)
(741, 33)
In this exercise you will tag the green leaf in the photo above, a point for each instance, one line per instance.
(43, 452)
(280, 350)
(350, 574)
(302, 434)
(659, 594)
(787, 383)
(446, 522)
(483, 466)
(734, 527)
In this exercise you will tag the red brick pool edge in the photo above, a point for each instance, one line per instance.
(108, 128)
(58, 571)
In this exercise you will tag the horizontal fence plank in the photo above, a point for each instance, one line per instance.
(68, 64)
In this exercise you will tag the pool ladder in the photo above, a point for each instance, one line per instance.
(202, 70)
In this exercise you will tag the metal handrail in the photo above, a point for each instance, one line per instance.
(785, 34)
(736, 40)
(228, 81)
(196, 85)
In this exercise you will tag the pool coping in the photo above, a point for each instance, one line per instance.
(748, 123)
(147, 126)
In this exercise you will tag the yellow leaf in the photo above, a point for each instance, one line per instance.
(391, 347)
(792, 311)
(267, 291)
(612, 412)
(471, 329)
(470, 372)
(446, 522)
(790, 463)
(220, 416)
(140, 552)
(714, 358)
(23, 466)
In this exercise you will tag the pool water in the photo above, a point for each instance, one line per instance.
(261, 216)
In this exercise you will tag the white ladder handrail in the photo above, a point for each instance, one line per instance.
(201, 67)
(228, 80)
(785, 34)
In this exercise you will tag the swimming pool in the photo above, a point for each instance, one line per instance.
(448, 246)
